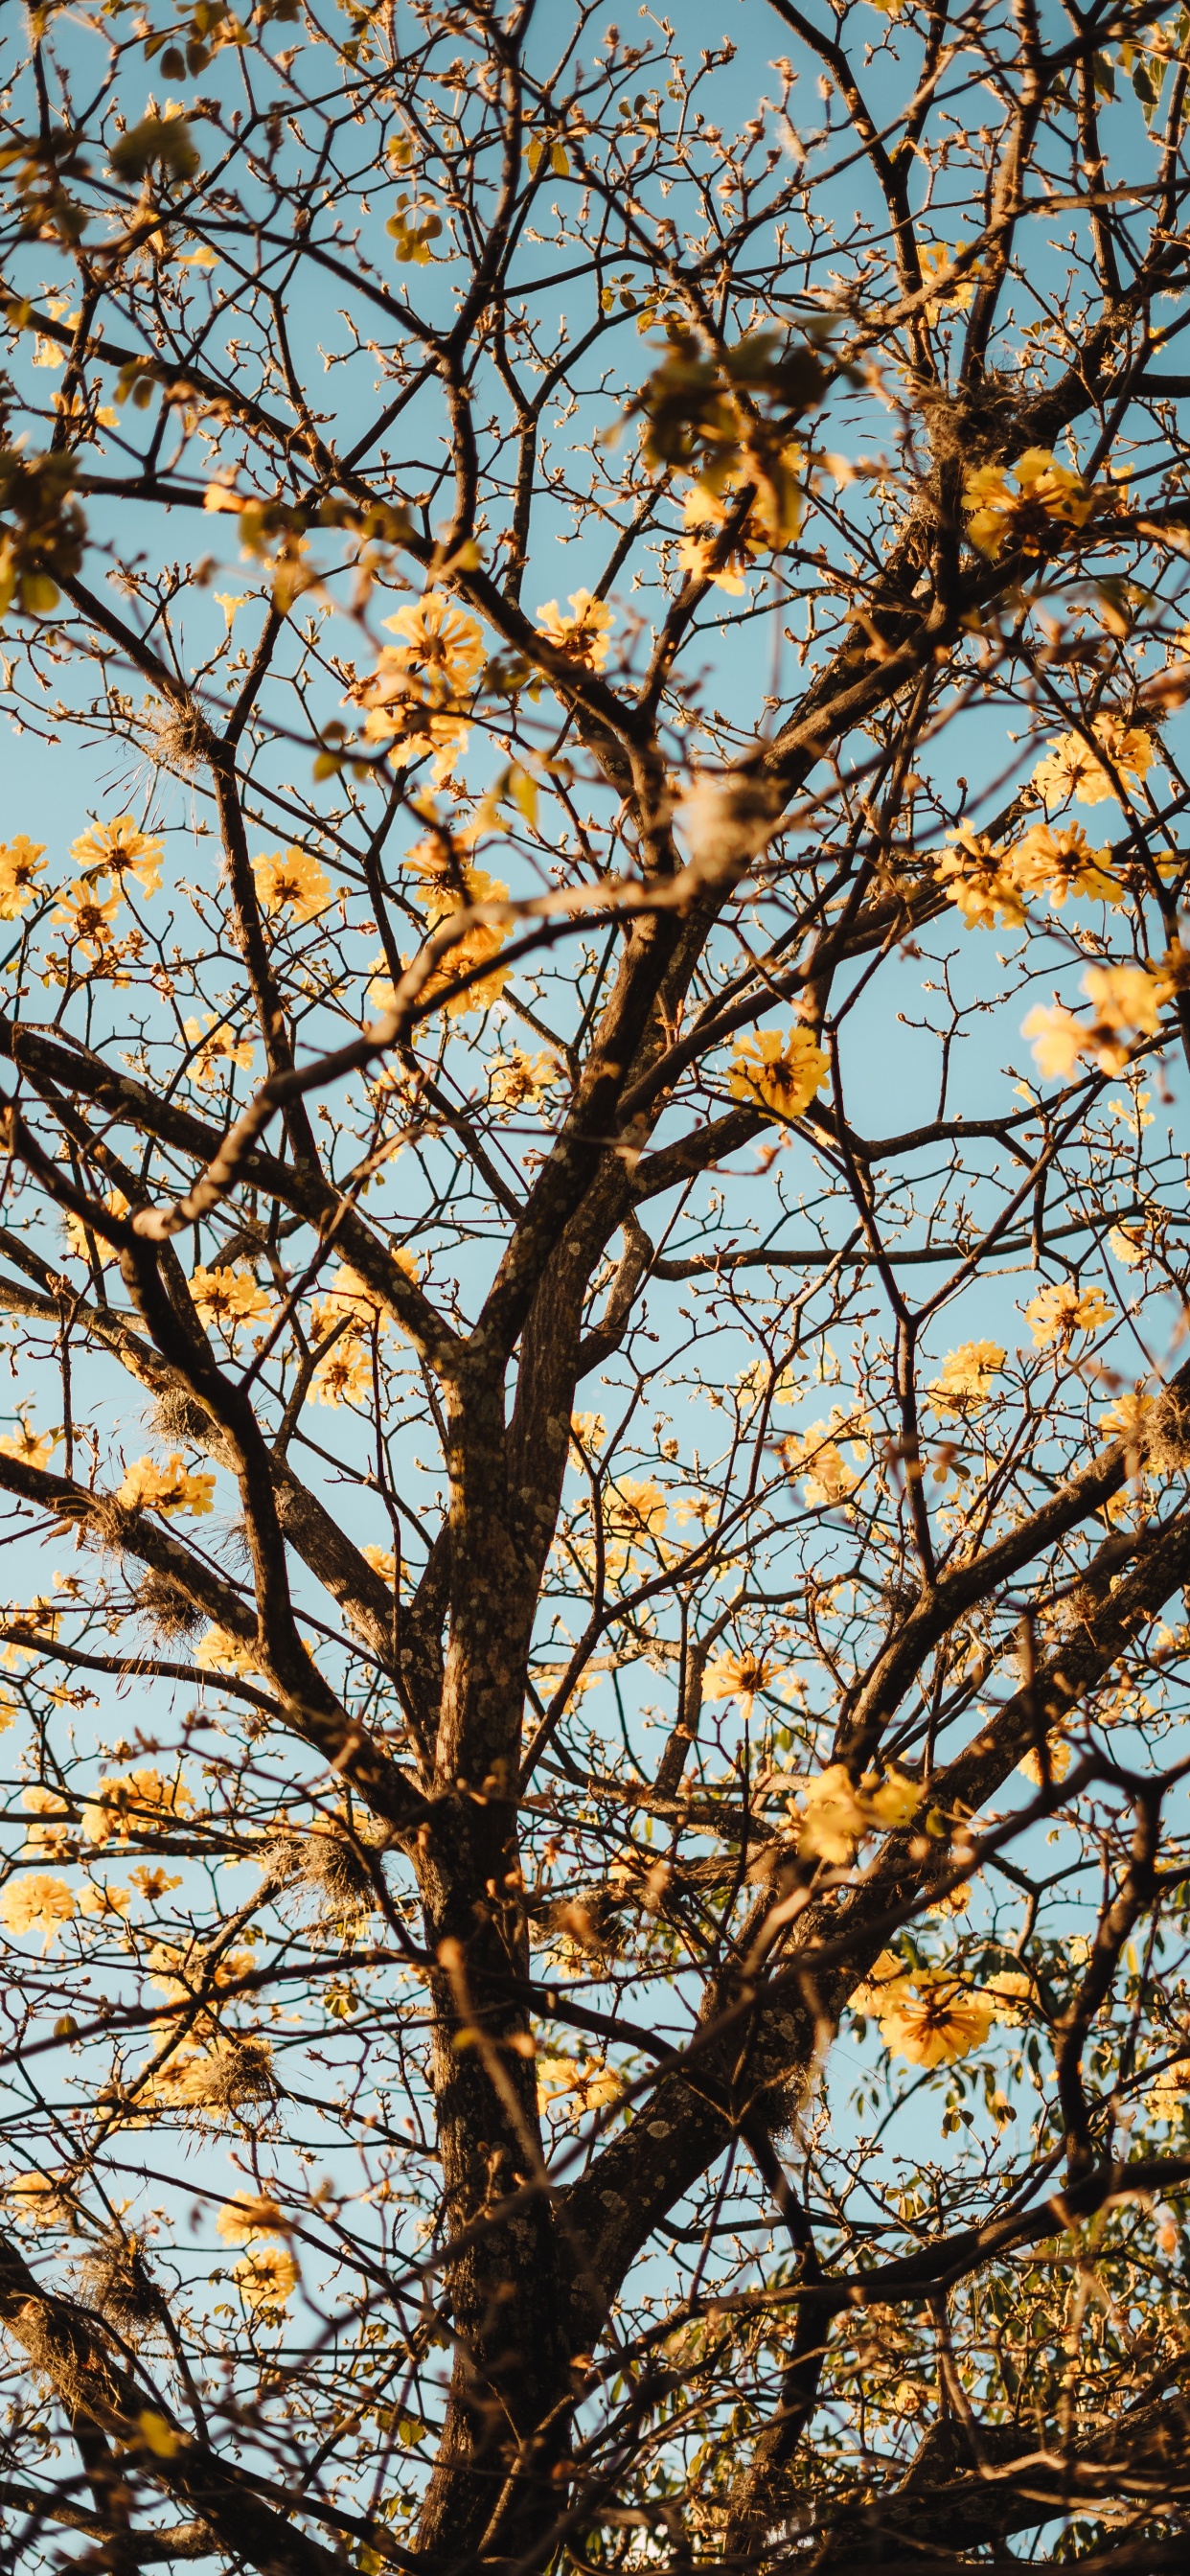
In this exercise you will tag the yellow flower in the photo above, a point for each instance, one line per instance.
(36, 1904)
(587, 2077)
(219, 1651)
(781, 1074)
(1062, 862)
(228, 1297)
(1048, 496)
(975, 875)
(94, 1899)
(1070, 767)
(585, 635)
(291, 881)
(1062, 1309)
(38, 2199)
(1126, 998)
(887, 1981)
(892, 1801)
(382, 1561)
(966, 1378)
(439, 643)
(1060, 1758)
(1058, 1041)
(87, 920)
(1010, 1989)
(221, 1048)
(118, 850)
(773, 520)
(1170, 2095)
(834, 1817)
(267, 2277)
(20, 866)
(76, 1235)
(55, 1839)
(140, 1803)
(737, 1677)
(148, 1486)
(516, 1079)
(1131, 1416)
(830, 1480)
(634, 1510)
(960, 291)
(33, 1448)
(938, 2022)
(243, 2219)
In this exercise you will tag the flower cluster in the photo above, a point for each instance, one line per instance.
(965, 1379)
(814, 1457)
(1047, 498)
(411, 696)
(228, 1298)
(148, 1486)
(1070, 767)
(987, 882)
(215, 1044)
(1062, 1309)
(774, 517)
(584, 636)
(291, 881)
(836, 1812)
(1128, 1002)
(779, 1074)
(20, 867)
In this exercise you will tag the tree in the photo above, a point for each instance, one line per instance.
(597, 1907)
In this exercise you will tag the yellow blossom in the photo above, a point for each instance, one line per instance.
(148, 1486)
(228, 1297)
(38, 2199)
(291, 881)
(1064, 1308)
(76, 1233)
(88, 919)
(54, 1838)
(382, 1561)
(1048, 496)
(1070, 767)
(1059, 1756)
(1058, 1041)
(585, 635)
(220, 1651)
(976, 877)
(738, 1677)
(20, 867)
(1061, 862)
(966, 1378)
(518, 1079)
(587, 2077)
(937, 2022)
(834, 1817)
(221, 1047)
(634, 1510)
(886, 1982)
(33, 1448)
(142, 1802)
(774, 519)
(245, 2218)
(815, 1458)
(1010, 1990)
(267, 2277)
(1170, 2095)
(96, 1899)
(782, 1074)
(1126, 998)
(35, 1904)
(118, 850)
(1131, 1417)
(438, 642)
(935, 260)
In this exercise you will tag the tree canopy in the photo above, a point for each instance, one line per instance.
(593, 1273)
